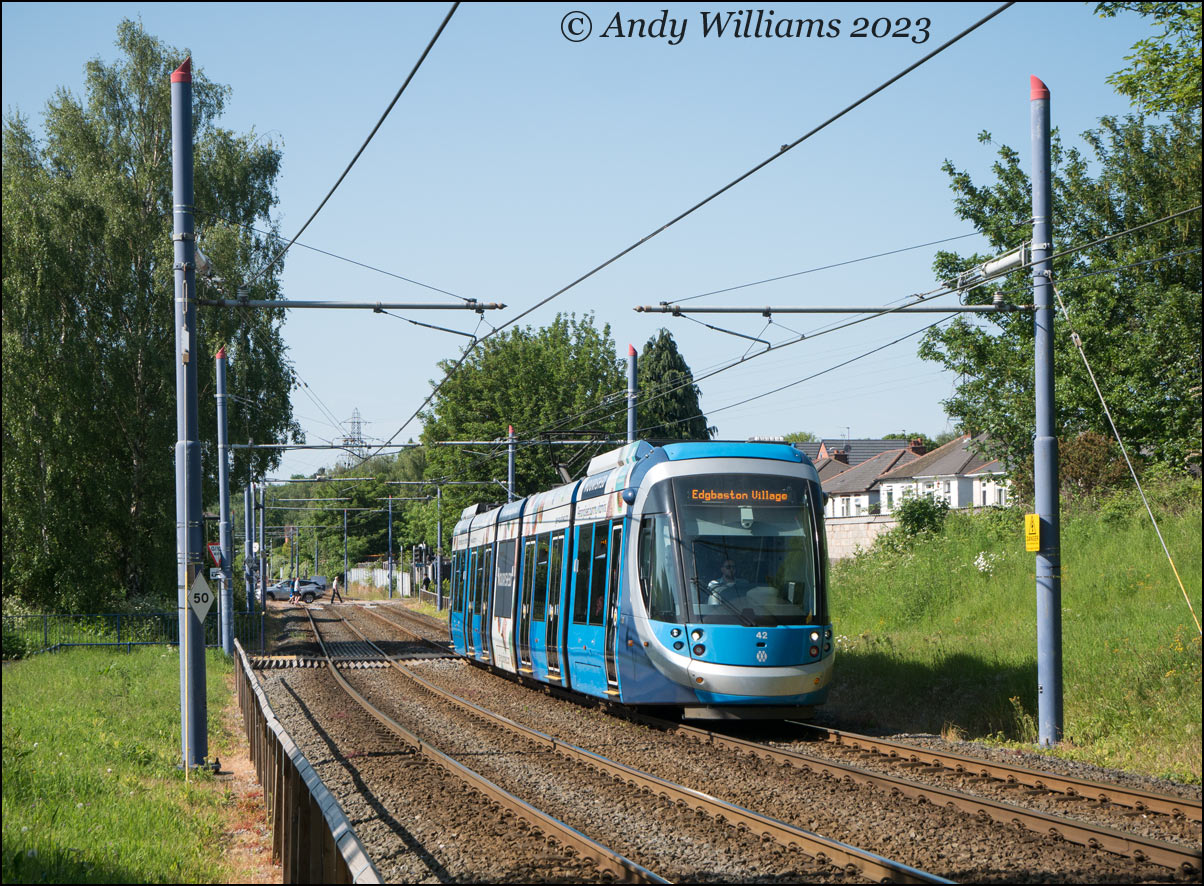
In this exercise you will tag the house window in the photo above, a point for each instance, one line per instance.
(946, 487)
(890, 497)
(844, 507)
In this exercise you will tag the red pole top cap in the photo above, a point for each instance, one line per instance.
(630, 351)
(1038, 90)
(510, 430)
(183, 74)
(221, 353)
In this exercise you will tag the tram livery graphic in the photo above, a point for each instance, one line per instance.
(691, 575)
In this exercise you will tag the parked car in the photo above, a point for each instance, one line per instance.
(309, 589)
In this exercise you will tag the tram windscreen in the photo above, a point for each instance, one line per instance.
(750, 550)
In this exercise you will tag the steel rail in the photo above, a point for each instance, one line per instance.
(1111, 840)
(1143, 801)
(822, 848)
(1171, 855)
(602, 857)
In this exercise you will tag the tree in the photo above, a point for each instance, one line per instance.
(89, 382)
(1165, 72)
(548, 382)
(668, 406)
(1134, 299)
(801, 437)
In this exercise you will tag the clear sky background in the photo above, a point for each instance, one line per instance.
(518, 160)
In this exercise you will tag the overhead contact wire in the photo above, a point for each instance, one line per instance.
(379, 122)
(785, 149)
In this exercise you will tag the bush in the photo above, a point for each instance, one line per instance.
(918, 515)
(14, 644)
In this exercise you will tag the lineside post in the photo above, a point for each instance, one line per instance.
(189, 536)
(632, 393)
(1045, 443)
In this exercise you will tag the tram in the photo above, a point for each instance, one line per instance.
(691, 576)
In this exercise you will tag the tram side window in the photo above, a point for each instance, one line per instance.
(528, 571)
(597, 588)
(616, 555)
(555, 563)
(540, 599)
(488, 577)
(458, 603)
(585, 536)
(659, 581)
(478, 581)
(504, 598)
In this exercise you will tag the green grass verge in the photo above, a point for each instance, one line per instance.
(940, 635)
(91, 789)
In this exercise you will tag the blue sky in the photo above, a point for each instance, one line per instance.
(518, 160)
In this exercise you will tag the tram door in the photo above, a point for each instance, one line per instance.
(485, 595)
(612, 606)
(555, 595)
(524, 608)
(471, 623)
(586, 630)
(456, 616)
(539, 606)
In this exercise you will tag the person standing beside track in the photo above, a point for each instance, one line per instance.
(292, 595)
(334, 590)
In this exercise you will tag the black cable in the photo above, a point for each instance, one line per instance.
(413, 71)
(335, 255)
(840, 264)
(785, 148)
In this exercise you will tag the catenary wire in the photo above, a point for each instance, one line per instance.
(785, 149)
(840, 264)
(379, 122)
(335, 256)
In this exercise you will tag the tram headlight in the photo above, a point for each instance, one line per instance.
(696, 635)
(700, 649)
(828, 634)
(815, 636)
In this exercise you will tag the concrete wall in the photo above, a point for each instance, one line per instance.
(847, 534)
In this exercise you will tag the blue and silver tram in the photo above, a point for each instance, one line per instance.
(691, 575)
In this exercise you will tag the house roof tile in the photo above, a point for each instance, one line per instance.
(955, 458)
(863, 477)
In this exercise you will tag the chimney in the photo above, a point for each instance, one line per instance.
(917, 446)
(841, 455)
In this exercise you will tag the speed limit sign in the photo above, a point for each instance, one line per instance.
(200, 598)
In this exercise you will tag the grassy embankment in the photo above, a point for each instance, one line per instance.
(91, 789)
(940, 635)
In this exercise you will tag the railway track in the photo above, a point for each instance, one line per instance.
(824, 852)
(556, 831)
(1079, 789)
(1183, 859)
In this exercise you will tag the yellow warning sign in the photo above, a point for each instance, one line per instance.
(1032, 532)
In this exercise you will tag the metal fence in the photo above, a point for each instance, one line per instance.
(49, 633)
(312, 839)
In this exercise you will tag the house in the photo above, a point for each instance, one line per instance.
(853, 490)
(954, 473)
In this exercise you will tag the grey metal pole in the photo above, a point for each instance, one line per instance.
(439, 548)
(632, 393)
(263, 548)
(223, 488)
(510, 463)
(1045, 445)
(346, 575)
(248, 517)
(189, 540)
(390, 547)
(316, 549)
